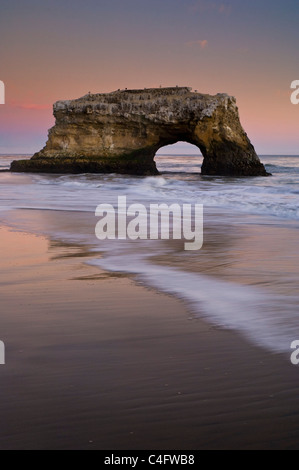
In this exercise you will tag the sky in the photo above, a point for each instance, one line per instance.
(61, 49)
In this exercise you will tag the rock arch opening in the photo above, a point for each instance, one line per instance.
(180, 157)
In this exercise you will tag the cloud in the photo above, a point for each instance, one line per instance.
(223, 8)
(34, 106)
(242, 50)
(201, 43)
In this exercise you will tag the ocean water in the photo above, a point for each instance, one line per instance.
(246, 275)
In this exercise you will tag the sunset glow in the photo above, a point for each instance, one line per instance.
(61, 50)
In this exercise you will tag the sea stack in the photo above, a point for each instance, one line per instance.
(120, 132)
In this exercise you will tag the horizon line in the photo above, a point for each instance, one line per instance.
(170, 154)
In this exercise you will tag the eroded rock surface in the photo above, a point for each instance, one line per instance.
(121, 132)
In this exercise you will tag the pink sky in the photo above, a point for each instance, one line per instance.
(59, 53)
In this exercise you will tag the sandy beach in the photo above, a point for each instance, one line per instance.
(96, 361)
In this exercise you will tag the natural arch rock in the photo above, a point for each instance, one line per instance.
(121, 132)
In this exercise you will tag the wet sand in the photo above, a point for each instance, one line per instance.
(96, 361)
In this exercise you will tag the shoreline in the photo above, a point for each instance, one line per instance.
(96, 361)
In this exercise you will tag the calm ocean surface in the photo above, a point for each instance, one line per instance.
(246, 275)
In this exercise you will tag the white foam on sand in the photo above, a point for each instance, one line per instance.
(268, 321)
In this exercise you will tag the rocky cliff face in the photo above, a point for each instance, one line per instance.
(122, 131)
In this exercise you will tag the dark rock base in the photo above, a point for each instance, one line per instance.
(84, 165)
(129, 167)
